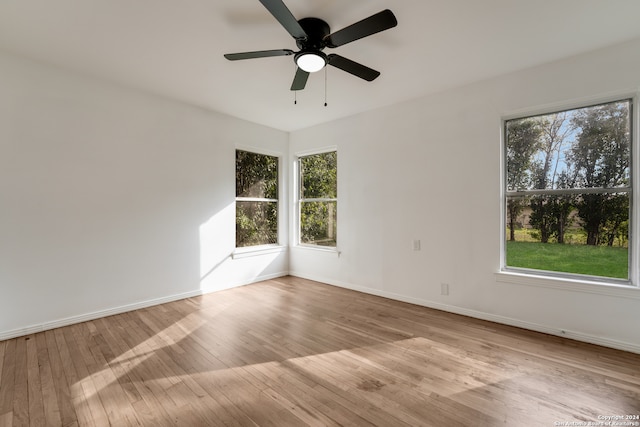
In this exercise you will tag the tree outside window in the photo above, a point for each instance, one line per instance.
(568, 190)
(256, 199)
(318, 198)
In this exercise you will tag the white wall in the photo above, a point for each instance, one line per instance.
(111, 199)
(430, 170)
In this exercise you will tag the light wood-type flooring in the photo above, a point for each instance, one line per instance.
(292, 352)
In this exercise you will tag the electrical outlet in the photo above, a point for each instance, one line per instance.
(444, 289)
(416, 245)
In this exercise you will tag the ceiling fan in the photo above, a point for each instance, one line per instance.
(312, 35)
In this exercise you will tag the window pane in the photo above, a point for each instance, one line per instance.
(256, 175)
(580, 234)
(318, 176)
(318, 223)
(582, 148)
(256, 223)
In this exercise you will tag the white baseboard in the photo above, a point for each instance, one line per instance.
(28, 330)
(5, 335)
(578, 336)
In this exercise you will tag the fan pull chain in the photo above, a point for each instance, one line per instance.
(325, 86)
(295, 92)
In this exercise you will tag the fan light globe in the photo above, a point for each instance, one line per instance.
(310, 62)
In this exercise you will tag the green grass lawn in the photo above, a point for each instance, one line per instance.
(581, 259)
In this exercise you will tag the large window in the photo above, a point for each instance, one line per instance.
(568, 192)
(318, 196)
(256, 199)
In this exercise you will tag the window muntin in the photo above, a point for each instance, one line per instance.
(568, 191)
(256, 199)
(318, 196)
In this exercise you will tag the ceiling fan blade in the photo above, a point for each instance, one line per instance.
(257, 54)
(300, 79)
(284, 16)
(352, 67)
(374, 24)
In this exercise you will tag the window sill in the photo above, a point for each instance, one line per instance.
(574, 285)
(251, 251)
(325, 249)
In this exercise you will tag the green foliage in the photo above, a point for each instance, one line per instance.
(522, 142)
(256, 223)
(318, 180)
(256, 177)
(319, 176)
(550, 215)
(318, 223)
(601, 151)
(583, 148)
(602, 261)
(573, 236)
(602, 158)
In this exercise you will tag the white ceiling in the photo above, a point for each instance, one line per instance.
(175, 48)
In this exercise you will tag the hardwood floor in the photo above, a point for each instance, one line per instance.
(290, 352)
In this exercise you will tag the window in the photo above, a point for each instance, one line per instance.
(568, 192)
(256, 199)
(318, 186)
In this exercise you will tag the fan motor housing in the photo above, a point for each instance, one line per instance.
(316, 30)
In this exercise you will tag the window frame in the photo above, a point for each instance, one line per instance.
(244, 251)
(299, 200)
(564, 280)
